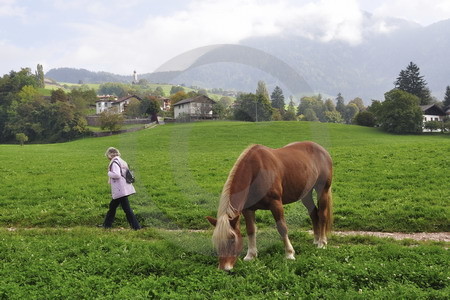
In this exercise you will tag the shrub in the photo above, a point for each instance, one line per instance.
(433, 125)
(289, 116)
(21, 138)
(333, 117)
(365, 118)
(111, 120)
(446, 125)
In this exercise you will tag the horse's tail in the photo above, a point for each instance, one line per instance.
(328, 209)
(325, 210)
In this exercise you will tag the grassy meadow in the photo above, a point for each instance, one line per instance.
(381, 182)
(53, 195)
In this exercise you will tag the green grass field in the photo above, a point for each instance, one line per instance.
(381, 182)
(55, 194)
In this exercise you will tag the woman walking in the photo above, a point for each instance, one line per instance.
(120, 189)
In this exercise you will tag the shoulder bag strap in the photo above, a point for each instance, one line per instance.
(120, 168)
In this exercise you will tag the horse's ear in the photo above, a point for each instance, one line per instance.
(234, 221)
(212, 221)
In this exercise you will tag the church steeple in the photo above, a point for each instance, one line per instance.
(135, 80)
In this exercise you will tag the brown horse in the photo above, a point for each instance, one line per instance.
(265, 178)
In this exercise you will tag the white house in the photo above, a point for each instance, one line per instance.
(112, 103)
(432, 112)
(199, 107)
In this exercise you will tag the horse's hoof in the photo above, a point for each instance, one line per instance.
(321, 245)
(249, 257)
(290, 256)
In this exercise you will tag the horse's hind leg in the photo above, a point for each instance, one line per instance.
(308, 202)
(278, 213)
(325, 214)
(249, 216)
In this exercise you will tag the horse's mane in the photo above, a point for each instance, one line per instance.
(226, 211)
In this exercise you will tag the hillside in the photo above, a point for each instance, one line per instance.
(71, 75)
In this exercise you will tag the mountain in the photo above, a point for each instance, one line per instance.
(71, 75)
(367, 69)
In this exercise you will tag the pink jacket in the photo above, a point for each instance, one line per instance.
(119, 187)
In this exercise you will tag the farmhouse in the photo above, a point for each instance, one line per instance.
(432, 112)
(199, 107)
(112, 103)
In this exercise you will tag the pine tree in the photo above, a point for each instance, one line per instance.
(340, 105)
(411, 81)
(447, 97)
(277, 98)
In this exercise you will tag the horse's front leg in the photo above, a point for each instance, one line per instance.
(278, 213)
(250, 224)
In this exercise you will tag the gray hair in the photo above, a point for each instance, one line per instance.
(112, 152)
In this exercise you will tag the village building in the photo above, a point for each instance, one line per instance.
(109, 102)
(432, 112)
(112, 103)
(199, 107)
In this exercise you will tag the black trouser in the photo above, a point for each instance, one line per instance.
(110, 215)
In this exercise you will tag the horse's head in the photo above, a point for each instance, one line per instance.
(227, 239)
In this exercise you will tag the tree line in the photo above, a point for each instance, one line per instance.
(262, 107)
(400, 112)
(25, 114)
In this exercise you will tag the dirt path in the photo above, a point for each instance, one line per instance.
(420, 236)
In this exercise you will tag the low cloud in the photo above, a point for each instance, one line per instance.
(157, 39)
(420, 11)
(118, 36)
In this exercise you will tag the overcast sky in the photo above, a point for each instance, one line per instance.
(120, 36)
